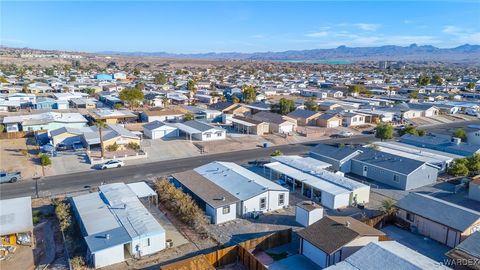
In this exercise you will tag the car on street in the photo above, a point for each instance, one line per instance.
(112, 164)
(10, 177)
(344, 134)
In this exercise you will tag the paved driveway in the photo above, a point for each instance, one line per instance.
(419, 243)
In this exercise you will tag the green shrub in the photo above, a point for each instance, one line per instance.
(112, 147)
(133, 146)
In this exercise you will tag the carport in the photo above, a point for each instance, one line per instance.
(328, 194)
(189, 131)
(242, 126)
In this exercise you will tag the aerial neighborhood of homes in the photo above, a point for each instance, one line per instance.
(402, 203)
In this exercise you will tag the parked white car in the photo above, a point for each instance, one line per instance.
(112, 164)
(472, 112)
(345, 134)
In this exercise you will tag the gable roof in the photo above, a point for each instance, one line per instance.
(450, 215)
(269, 117)
(467, 249)
(237, 180)
(206, 190)
(331, 233)
(299, 113)
(334, 152)
(389, 161)
(156, 124)
(387, 255)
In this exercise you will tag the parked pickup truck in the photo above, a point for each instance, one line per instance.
(10, 177)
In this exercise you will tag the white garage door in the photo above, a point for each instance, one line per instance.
(333, 124)
(286, 129)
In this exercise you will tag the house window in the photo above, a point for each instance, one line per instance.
(208, 135)
(396, 179)
(263, 203)
(226, 210)
(410, 217)
(281, 199)
(219, 134)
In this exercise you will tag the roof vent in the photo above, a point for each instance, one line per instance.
(347, 224)
(107, 236)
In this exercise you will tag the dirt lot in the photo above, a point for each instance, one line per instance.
(12, 158)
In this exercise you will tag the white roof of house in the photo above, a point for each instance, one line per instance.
(317, 168)
(237, 180)
(47, 117)
(117, 211)
(305, 164)
(95, 214)
(131, 213)
(142, 189)
(422, 154)
(309, 179)
(16, 215)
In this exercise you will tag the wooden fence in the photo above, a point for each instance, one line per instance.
(249, 260)
(15, 135)
(239, 253)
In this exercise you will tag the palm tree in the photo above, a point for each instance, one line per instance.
(165, 102)
(388, 207)
(101, 124)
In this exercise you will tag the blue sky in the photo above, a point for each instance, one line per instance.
(247, 26)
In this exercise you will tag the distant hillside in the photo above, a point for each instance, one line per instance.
(465, 53)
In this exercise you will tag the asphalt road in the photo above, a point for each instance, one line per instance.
(68, 183)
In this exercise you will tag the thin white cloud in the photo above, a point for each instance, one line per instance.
(257, 36)
(317, 34)
(368, 26)
(462, 35)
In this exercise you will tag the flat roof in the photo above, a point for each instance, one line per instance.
(206, 190)
(305, 164)
(142, 190)
(116, 211)
(308, 179)
(238, 181)
(16, 215)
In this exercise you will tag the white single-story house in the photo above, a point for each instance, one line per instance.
(115, 223)
(219, 204)
(254, 192)
(201, 131)
(159, 130)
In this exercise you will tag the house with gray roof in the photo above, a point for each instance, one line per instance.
(468, 250)
(334, 238)
(277, 123)
(254, 192)
(219, 204)
(201, 131)
(442, 143)
(387, 255)
(304, 117)
(393, 170)
(160, 130)
(442, 221)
